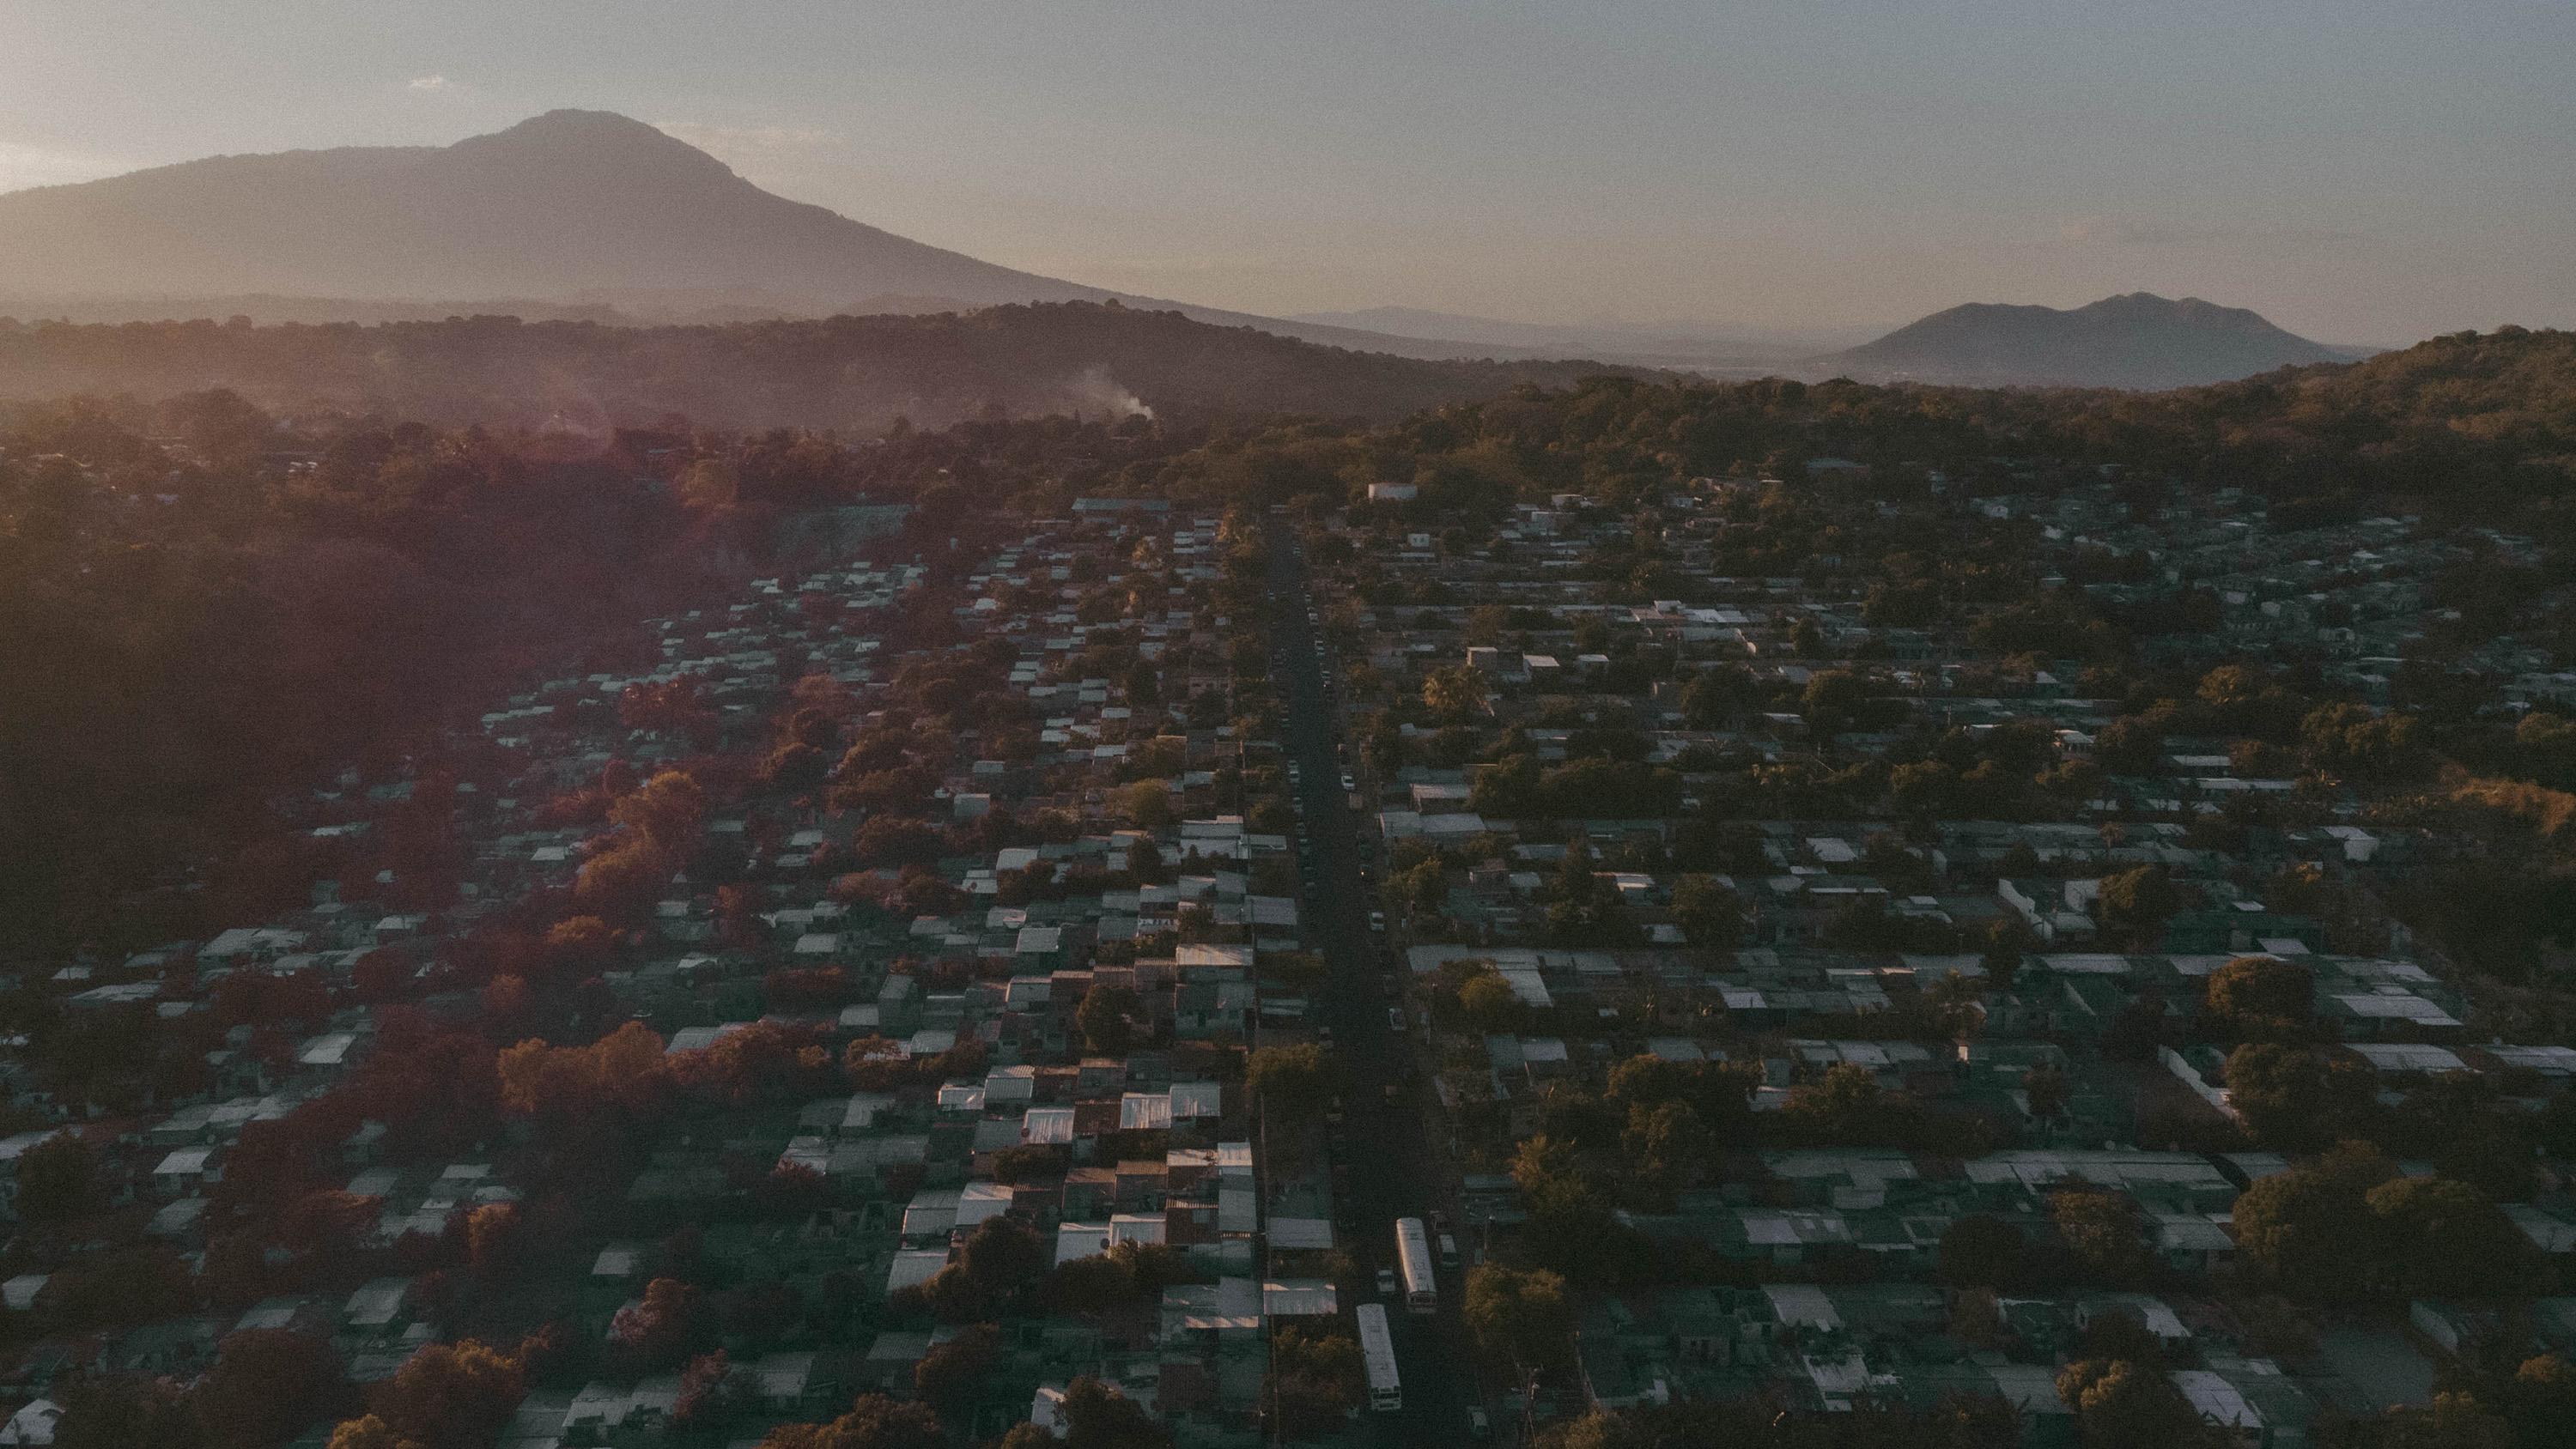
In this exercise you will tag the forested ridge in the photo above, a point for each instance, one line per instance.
(849, 373)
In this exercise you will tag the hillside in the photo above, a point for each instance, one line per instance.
(2135, 341)
(568, 203)
(842, 372)
(572, 215)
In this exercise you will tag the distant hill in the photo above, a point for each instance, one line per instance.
(2135, 341)
(573, 214)
(841, 372)
(1678, 344)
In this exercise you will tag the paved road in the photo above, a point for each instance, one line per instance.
(1393, 1169)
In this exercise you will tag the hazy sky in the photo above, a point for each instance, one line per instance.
(2365, 171)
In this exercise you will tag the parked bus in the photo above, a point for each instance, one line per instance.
(1377, 1351)
(1413, 1256)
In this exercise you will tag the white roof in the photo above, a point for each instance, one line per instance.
(1080, 1240)
(915, 1266)
(1802, 1305)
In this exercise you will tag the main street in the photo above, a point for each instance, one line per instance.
(1393, 1167)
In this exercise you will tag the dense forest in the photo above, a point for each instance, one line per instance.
(848, 373)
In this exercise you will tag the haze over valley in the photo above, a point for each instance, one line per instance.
(1108, 726)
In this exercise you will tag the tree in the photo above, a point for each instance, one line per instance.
(2291, 1098)
(1488, 1001)
(1833, 700)
(1317, 1379)
(1454, 694)
(874, 1422)
(2048, 1090)
(1290, 1080)
(2103, 1230)
(267, 1385)
(451, 1396)
(2310, 1227)
(1710, 915)
(369, 1431)
(58, 1180)
(2542, 1397)
(713, 1393)
(1979, 1249)
(1977, 1319)
(668, 810)
(950, 1374)
(1520, 1318)
(2006, 942)
(2446, 1238)
(2136, 902)
(2121, 1404)
(1097, 1416)
(1717, 695)
(493, 1238)
(115, 1412)
(2454, 1421)
(1668, 1145)
(2264, 995)
(1149, 804)
(661, 1329)
(1106, 1019)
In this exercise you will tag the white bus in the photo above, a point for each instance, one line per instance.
(1413, 1257)
(1377, 1350)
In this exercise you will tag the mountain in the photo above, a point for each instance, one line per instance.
(568, 203)
(573, 214)
(2135, 341)
(850, 372)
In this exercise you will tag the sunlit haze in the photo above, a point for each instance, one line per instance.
(2357, 172)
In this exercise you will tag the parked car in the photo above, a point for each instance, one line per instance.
(1386, 1282)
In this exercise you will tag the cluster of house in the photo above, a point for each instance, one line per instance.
(1849, 942)
(988, 1093)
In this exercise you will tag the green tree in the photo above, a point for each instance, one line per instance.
(1097, 1416)
(2135, 903)
(1106, 1019)
(1519, 1317)
(1454, 694)
(1981, 1250)
(2310, 1227)
(1488, 1001)
(2291, 1098)
(1711, 916)
(1293, 1081)
(2446, 1238)
(2265, 995)
(2120, 1404)
(58, 1180)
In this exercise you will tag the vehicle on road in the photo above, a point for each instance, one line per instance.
(1479, 1427)
(1386, 1284)
(1377, 919)
(1350, 781)
(1377, 1354)
(1395, 1018)
(1448, 1251)
(1413, 1255)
